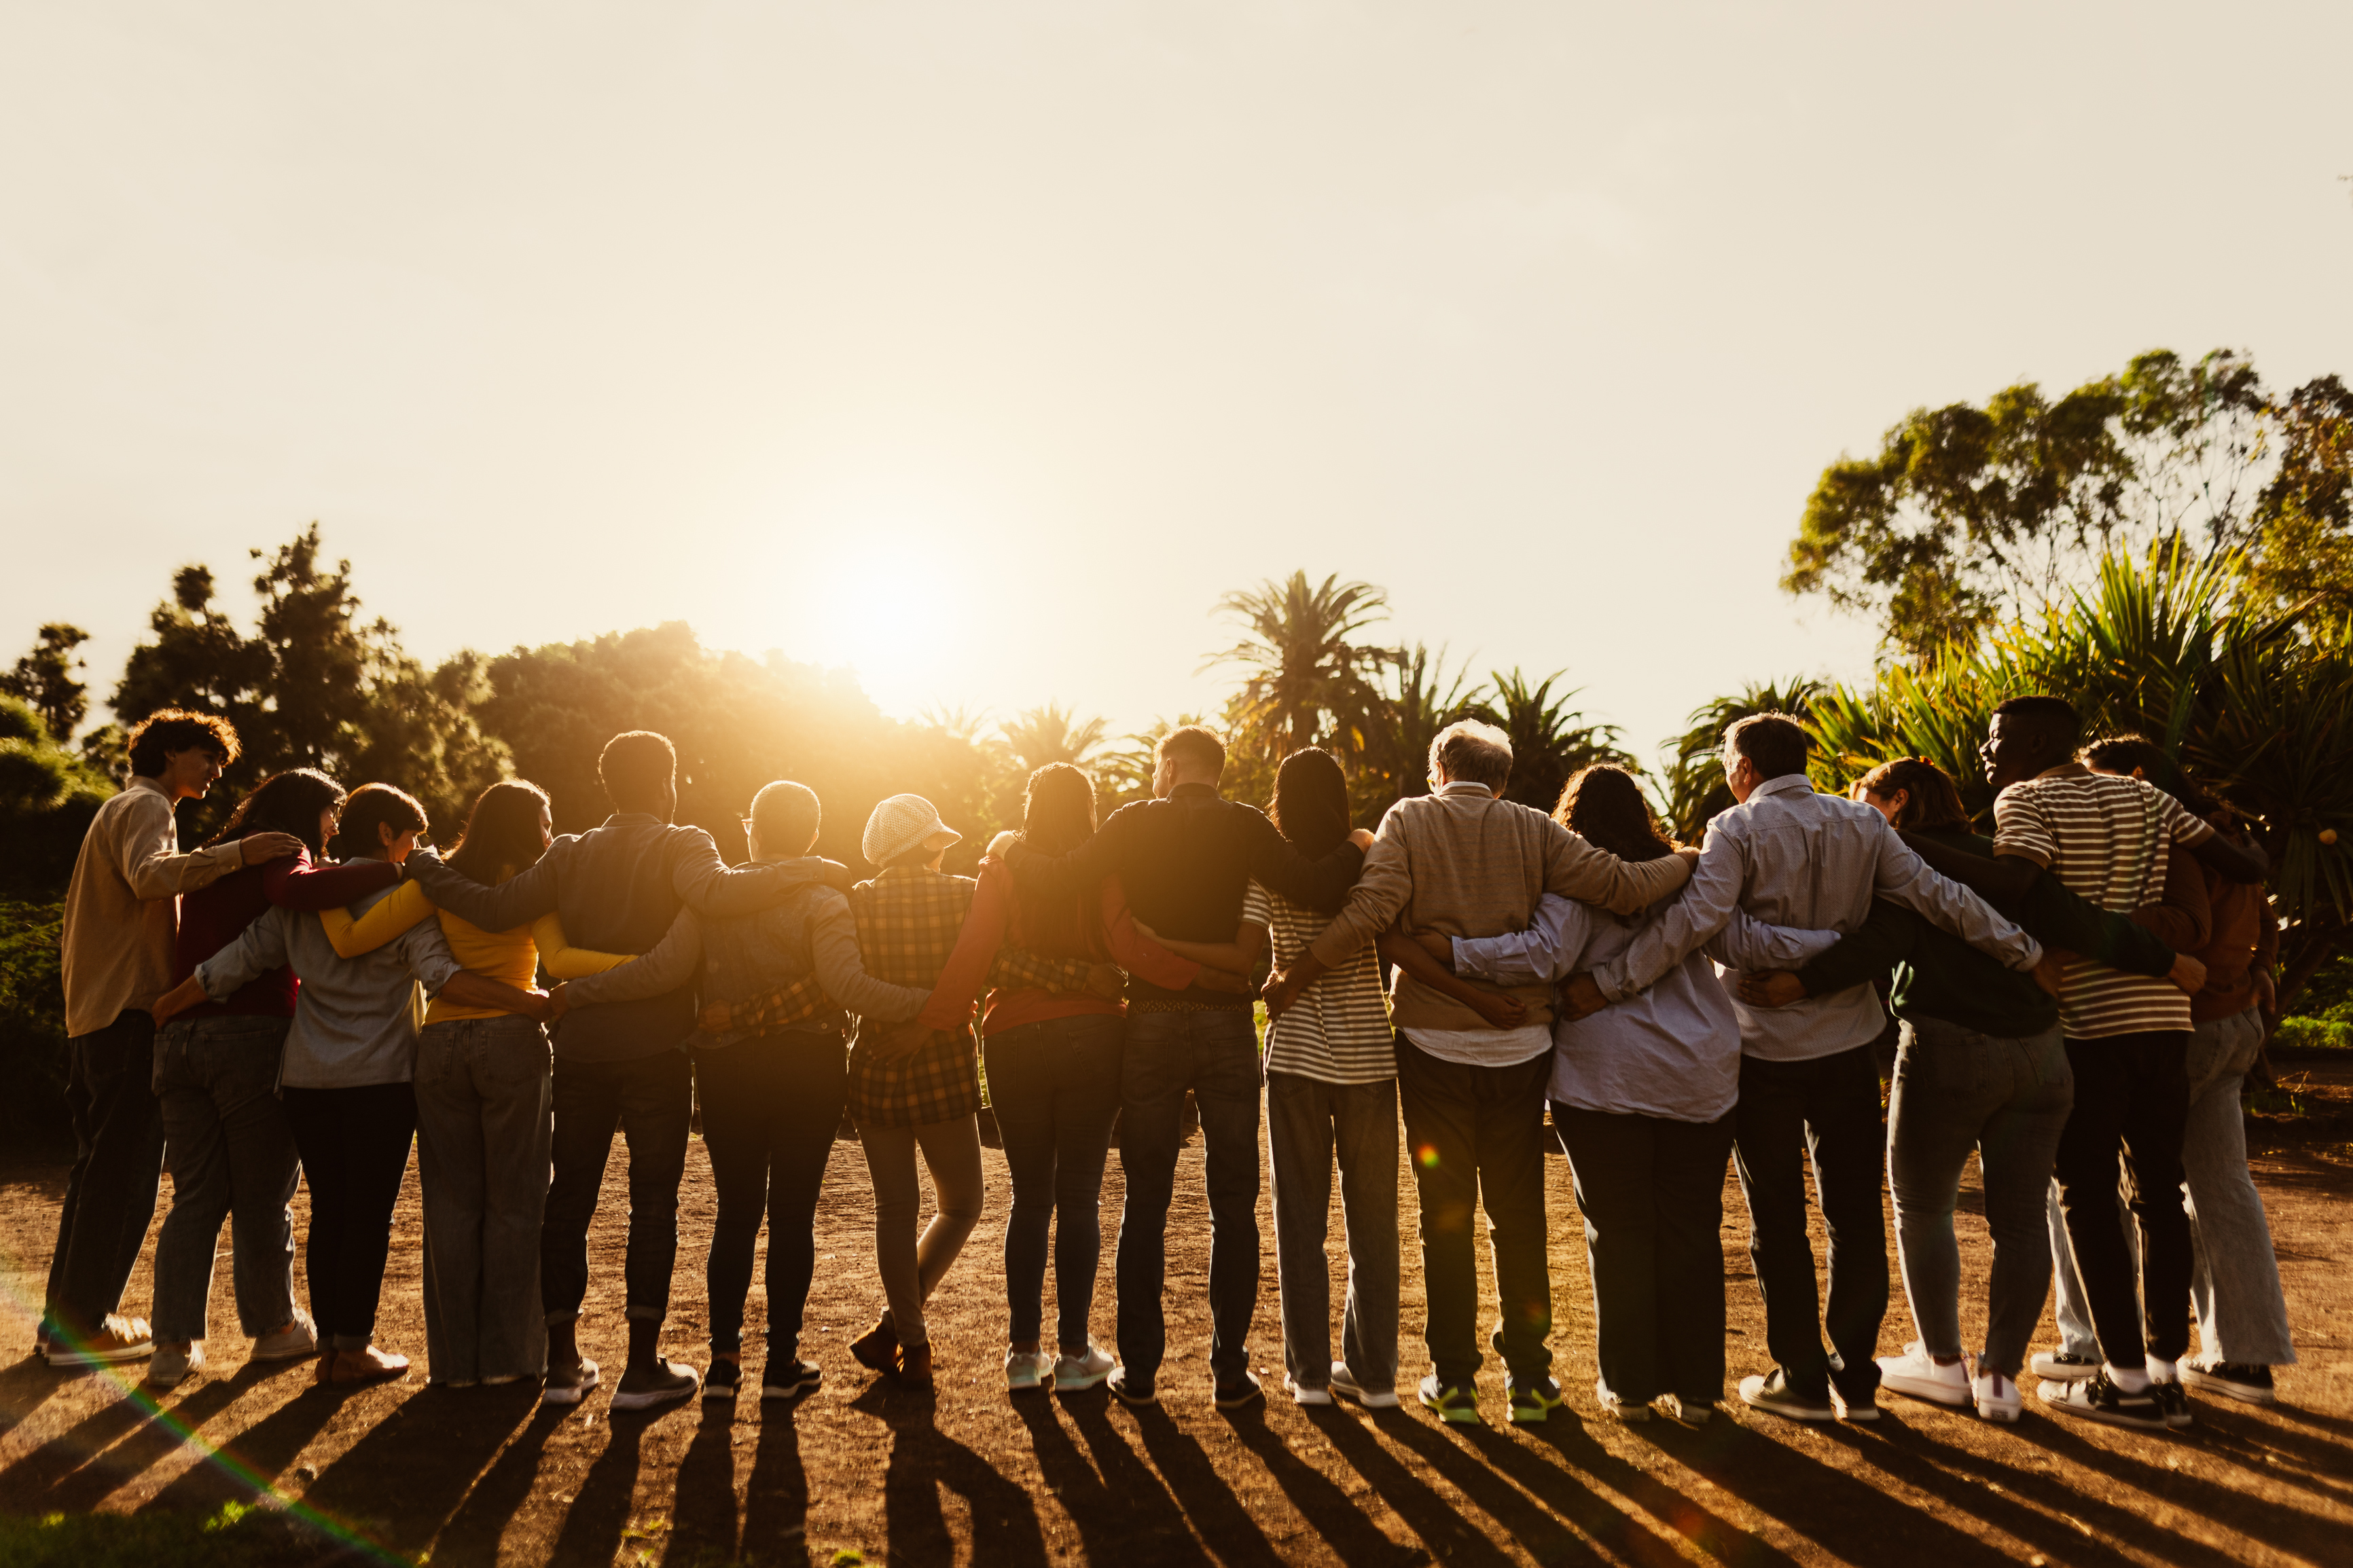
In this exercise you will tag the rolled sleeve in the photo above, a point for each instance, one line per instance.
(257, 950)
(1704, 909)
(1372, 905)
(1549, 948)
(427, 952)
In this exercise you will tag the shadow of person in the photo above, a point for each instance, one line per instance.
(1562, 1461)
(163, 1434)
(413, 1469)
(474, 1531)
(25, 1387)
(776, 1503)
(703, 1509)
(32, 1473)
(1005, 1527)
(1106, 1519)
(251, 1462)
(1154, 1526)
(1446, 1533)
(1462, 1455)
(1207, 1501)
(1321, 1501)
(608, 1493)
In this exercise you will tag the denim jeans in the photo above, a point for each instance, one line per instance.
(118, 1163)
(2132, 1097)
(913, 1265)
(2234, 1285)
(1055, 1088)
(770, 1107)
(1213, 1053)
(1826, 1109)
(483, 1095)
(1478, 1137)
(1956, 1090)
(1307, 1121)
(355, 1144)
(1652, 1192)
(651, 1100)
(232, 1157)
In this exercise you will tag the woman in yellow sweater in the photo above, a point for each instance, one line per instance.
(483, 1100)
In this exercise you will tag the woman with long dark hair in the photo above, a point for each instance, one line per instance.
(228, 1147)
(1053, 1062)
(1644, 1094)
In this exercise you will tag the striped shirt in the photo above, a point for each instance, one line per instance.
(1338, 1030)
(2105, 837)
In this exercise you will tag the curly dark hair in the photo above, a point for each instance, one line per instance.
(1604, 805)
(1932, 799)
(168, 729)
(289, 802)
(2123, 753)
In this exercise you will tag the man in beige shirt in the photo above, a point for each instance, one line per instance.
(121, 920)
(1465, 862)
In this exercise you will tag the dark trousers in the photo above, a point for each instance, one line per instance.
(1828, 1109)
(650, 1099)
(1477, 1136)
(1652, 1193)
(1215, 1055)
(770, 1108)
(2132, 1094)
(118, 1163)
(1055, 1088)
(355, 1145)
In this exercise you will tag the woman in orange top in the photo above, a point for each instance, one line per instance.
(1054, 1071)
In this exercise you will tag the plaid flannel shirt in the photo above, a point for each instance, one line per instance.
(798, 1001)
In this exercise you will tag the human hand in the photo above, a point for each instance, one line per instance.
(2267, 993)
(1776, 988)
(717, 1017)
(2189, 973)
(1362, 839)
(1279, 993)
(1105, 981)
(255, 848)
(552, 1005)
(2051, 971)
(1223, 980)
(897, 1041)
(1438, 946)
(187, 993)
(1501, 1011)
(1689, 854)
(1004, 841)
(1580, 997)
(837, 876)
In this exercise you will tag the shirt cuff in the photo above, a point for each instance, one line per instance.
(1465, 961)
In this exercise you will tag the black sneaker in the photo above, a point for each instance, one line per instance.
(790, 1379)
(1232, 1393)
(1532, 1399)
(724, 1378)
(2233, 1380)
(1454, 1403)
(1130, 1388)
(2063, 1367)
(2099, 1399)
(2173, 1403)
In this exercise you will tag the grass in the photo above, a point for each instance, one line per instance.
(236, 1537)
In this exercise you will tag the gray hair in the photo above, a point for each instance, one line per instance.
(1472, 753)
(787, 816)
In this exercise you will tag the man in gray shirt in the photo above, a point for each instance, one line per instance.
(1791, 857)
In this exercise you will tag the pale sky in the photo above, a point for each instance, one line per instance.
(982, 346)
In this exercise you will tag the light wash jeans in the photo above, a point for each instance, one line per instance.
(1308, 1122)
(2234, 1284)
(1956, 1090)
(484, 1093)
(231, 1156)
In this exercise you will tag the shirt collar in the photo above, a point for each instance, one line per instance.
(140, 781)
(2066, 771)
(1464, 786)
(1787, 784)
(1194, 792)
(633, 819)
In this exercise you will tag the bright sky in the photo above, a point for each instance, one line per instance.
(982, 346)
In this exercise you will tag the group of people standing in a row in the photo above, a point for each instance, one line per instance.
(2084, 986)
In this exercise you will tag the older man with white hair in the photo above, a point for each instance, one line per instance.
(1463, 861)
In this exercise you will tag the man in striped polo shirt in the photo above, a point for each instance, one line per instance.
(2105, 837)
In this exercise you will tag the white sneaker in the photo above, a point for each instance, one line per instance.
(1026, 1370)
(1305, 1393)
(1613, 1406)
(1998, 1397)
(560, 1389)
(171, 1364)
(297, 1342)
(1344, 1383)
(1072, 1372)
(2063, 1367)
(1917, 1374)
(1689, 1412)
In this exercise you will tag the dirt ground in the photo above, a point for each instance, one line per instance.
(970, 1476)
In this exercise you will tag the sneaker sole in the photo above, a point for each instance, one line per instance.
(1792, 1413)
(1452, 1417)
(1530, 1416)
(1627, 1414)
(2068, 1373)
(2005, 1414)
(651, 1400)
(1079, 1384)
(2107, 1417)
(713, 1393)
(780, 1391)
(85, 1360)
(1236, 1401)
(299, 1352)
(2237, 1391)
(568, 1393)
(1928, 1394)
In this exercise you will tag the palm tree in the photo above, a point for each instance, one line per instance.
(1127, 772)
(1550, 740)
(1308, 684)
(1037, 736)
(1422, 702)
(1696, 790)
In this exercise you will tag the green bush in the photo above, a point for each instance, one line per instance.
(236, 1537)
(32, 1022)
(2313, 1035)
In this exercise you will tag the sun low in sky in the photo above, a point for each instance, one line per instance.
(983, 347)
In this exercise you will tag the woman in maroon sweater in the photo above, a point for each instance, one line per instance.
(227, 1145)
